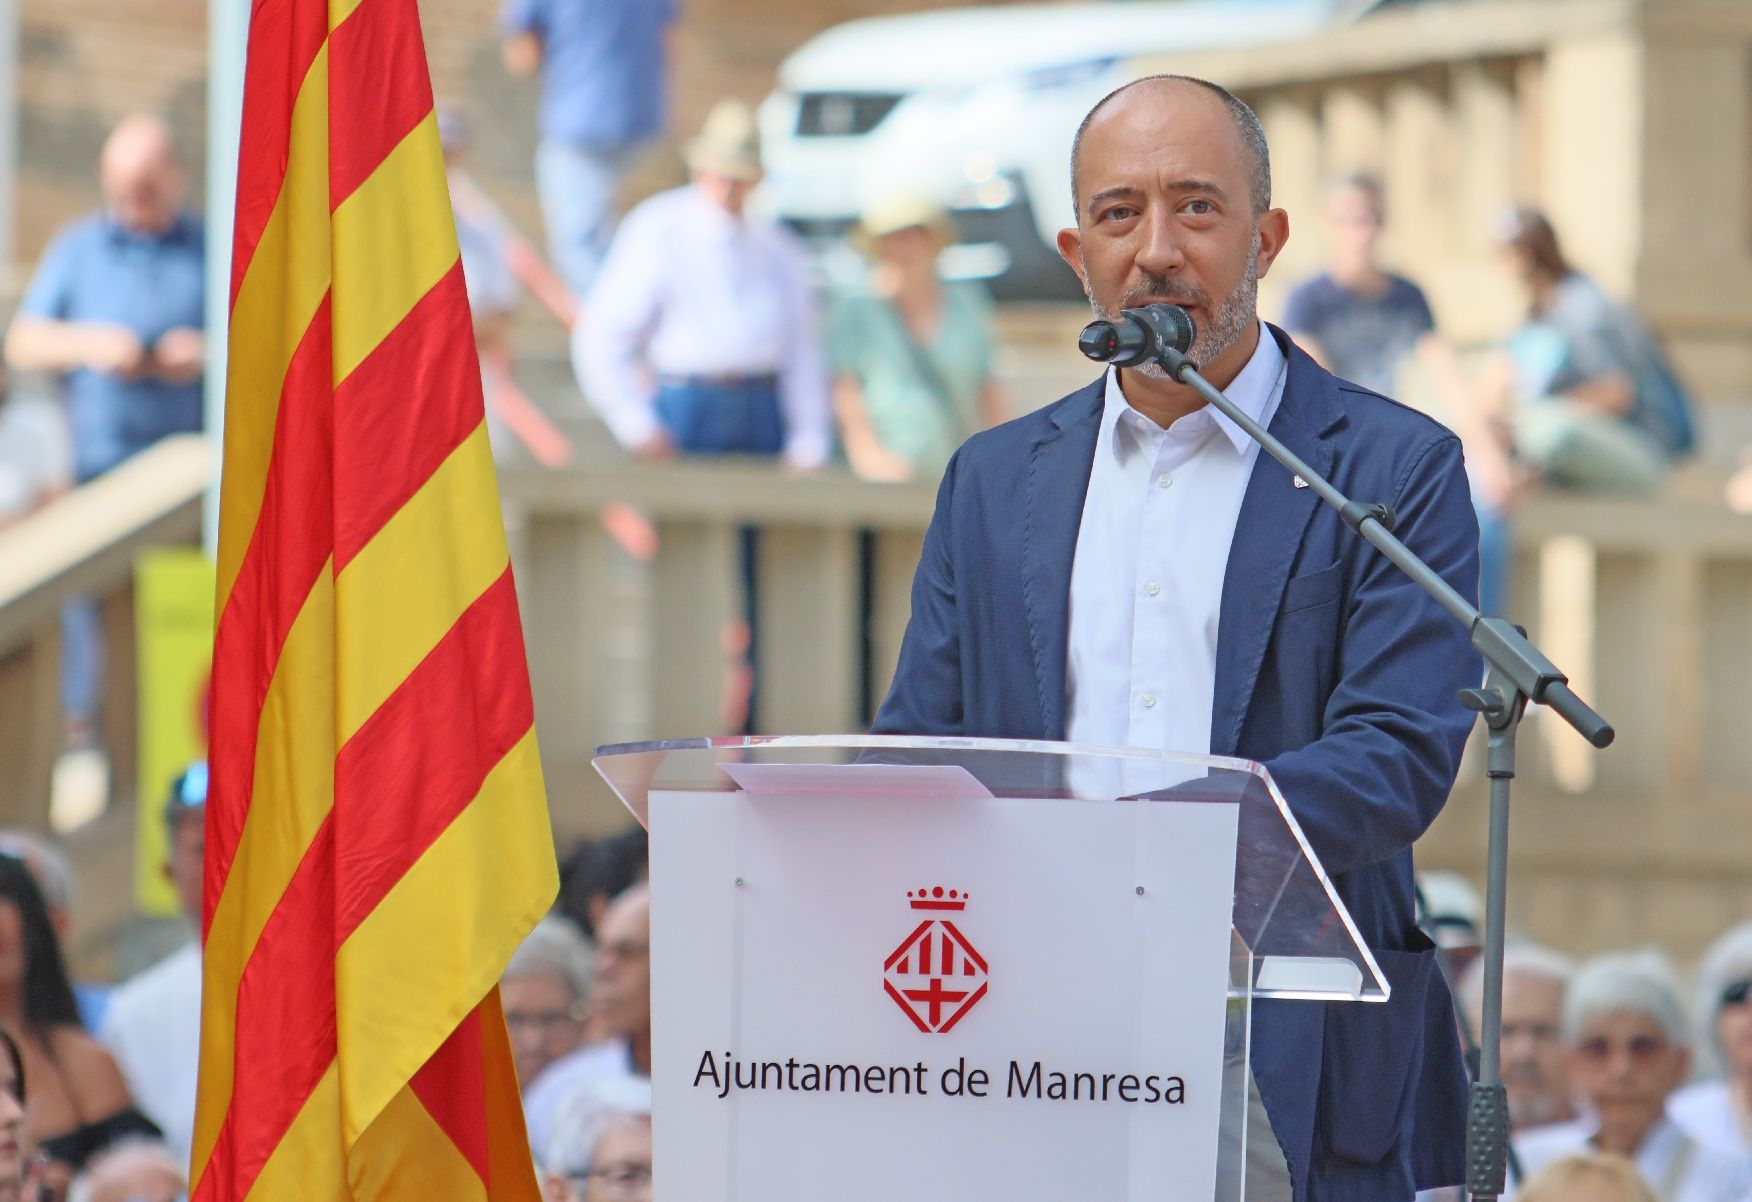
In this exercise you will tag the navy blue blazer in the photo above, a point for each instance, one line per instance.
(1333, 669)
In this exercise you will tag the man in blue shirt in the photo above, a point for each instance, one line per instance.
(117, 305)
(116, 311)
(603, 83)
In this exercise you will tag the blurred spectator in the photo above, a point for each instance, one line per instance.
(603, 67)
(80, 1104)
(116, 311)
(1718, 1111)
(54, 876)
(1365, 324)
(1449, 911)
(154, 1022)
(133, 1171)
(13, 1121)
(699, 334)
(620, 1002)
(545, 990)
(597, 872)
(1535, 980)
(1590, 1178)
(912, 356)
(1583, 395)
(601, 1146)
(36, 452)
(1628, 1042)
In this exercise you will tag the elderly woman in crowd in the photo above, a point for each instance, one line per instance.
(1592, 1178)
(1718, 1111)
(80, 1104)
(545, 989)
(1629, 1048)
(601, 1146)
(912, 354)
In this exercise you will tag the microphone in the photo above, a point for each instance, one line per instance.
(1138, 335)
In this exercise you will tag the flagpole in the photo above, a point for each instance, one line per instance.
(227, 41)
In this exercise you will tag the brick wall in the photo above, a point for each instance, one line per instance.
(86, 63)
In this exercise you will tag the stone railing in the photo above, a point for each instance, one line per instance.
(1643, 602)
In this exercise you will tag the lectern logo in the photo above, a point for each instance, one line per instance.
(935, 975)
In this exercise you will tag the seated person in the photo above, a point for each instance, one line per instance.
(1592, 1178)
(79, 1102)
(601, 1146)
(1628, 1043)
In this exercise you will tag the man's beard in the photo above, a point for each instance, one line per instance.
(1230, 323)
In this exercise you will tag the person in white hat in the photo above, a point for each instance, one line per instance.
(911, 352)
(699, 335)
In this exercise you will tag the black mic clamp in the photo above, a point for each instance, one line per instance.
(1138, 335)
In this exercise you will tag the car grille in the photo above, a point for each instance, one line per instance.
(843, 114)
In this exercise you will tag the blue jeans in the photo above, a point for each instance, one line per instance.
(578, 187)
(704, 418)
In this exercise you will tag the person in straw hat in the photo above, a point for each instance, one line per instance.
(699, 335)
(912, 352)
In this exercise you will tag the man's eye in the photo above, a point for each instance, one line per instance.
(1120, 213)
(1200, 208)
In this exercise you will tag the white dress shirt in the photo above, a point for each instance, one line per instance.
(1706, 1111)
(1678, 1167)
(1152, 550)
(153, 1029)
(688, 289)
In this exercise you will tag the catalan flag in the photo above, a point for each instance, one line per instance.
(377, 835)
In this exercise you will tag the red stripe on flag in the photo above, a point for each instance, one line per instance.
(377, 69)
(285, 1037)
(293, 536)
(284, 38)
(420, 758)
(385, 446)
(452, 1088)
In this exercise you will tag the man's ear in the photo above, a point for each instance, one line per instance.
(1274, 231)
(1070, 249)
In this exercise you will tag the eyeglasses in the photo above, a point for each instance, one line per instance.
(545, 1021)
(623, 949)
(1642, 1049)
(1736, 993)
(623, 1180)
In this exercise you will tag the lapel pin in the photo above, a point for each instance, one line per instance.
(1301, 483)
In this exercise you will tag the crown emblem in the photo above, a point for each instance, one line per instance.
(937, 899)
(936, 975)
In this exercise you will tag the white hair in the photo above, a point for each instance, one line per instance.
(597, 1106)
(1524, 959)
(47, 863)
(1729, 959)
(1627, 982)
(558, 948)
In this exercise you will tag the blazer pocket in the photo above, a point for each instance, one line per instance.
(1313, 589)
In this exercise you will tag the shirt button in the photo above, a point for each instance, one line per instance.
(1149, 701)
(1164, 480)
(1152, 588)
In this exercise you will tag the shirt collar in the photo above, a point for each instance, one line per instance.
(1251, 390)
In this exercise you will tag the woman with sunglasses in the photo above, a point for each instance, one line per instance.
(1628, 1046)
(1718, 1110)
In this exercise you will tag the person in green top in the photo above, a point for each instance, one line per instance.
(911, 352)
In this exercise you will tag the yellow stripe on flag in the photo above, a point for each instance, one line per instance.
(340, 10)
(303, 1165)
(405, 1156)
(408, 586)
(294, 791)
(279, 294)
(378, 278)
(460, 937)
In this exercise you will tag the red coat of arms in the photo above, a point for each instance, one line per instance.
(935, 975)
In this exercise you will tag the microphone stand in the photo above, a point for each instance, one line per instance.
(1516, 673)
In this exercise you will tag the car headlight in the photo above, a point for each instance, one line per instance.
(1064, 75)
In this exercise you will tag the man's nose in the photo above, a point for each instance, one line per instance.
(1161, 251)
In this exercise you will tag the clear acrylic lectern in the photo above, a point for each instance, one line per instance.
(967, 968)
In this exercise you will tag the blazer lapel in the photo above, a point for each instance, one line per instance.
(1058, 480)
(1274, 513)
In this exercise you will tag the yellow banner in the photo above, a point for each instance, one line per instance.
(173, 613)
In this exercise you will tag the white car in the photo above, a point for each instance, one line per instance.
(976, 108)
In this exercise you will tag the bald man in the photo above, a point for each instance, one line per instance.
(1125, 568)
(115, 313)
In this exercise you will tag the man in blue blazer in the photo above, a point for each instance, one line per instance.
(1124, 566)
